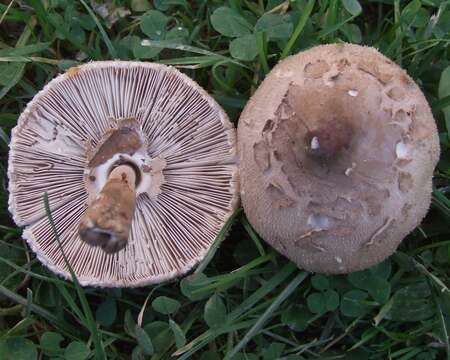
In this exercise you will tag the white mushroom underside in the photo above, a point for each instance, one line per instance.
(183, 125)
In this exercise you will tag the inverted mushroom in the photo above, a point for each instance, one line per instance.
(136, 158)
(337, 149)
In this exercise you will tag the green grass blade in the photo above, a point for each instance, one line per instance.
(21, 269)
(262, 291)
(19, 70)
(239, 312)
(398, 32)
(188, 48)
(29, 59)
(441, 104)
(196, 62)
(4, 140)
(62, 325)
(299, 28)
(442, 321)
(327, 31)
(18, 74)
(188, 350)
(261, 43)
(10, 14)
(91, 324)
(25, 50)
(219, 238)
(108, 43)
(440, 201)
(222, 280)
(268, 313)
(253, 236)
(62, 289)
(41, 14)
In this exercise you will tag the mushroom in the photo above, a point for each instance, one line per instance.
(337, 149)
(139, 166)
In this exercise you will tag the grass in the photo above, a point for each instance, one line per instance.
(246, 301)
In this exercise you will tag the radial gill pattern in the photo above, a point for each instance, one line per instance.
(50, 148)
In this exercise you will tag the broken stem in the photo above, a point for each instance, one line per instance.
(107, 220)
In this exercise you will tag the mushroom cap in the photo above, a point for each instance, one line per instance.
(337, 149)
(176, 136)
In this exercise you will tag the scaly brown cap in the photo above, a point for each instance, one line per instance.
(337, 149)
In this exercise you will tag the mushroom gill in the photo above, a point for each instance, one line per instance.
(178, 143)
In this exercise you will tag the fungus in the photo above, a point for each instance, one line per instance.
(139, 165)
(337, 149)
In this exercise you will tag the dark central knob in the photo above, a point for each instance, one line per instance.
(329, 138)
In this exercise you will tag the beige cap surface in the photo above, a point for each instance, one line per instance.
(173, 134)
(337, 149)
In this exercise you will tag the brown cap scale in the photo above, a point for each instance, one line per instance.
(139, 166)
(337, 149)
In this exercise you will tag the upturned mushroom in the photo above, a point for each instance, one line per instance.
(337, 149)
(139, 166)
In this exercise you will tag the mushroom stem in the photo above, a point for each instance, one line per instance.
(107, 220)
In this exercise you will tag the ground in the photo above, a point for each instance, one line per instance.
(248, 302)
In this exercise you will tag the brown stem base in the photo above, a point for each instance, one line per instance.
(107, 220)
